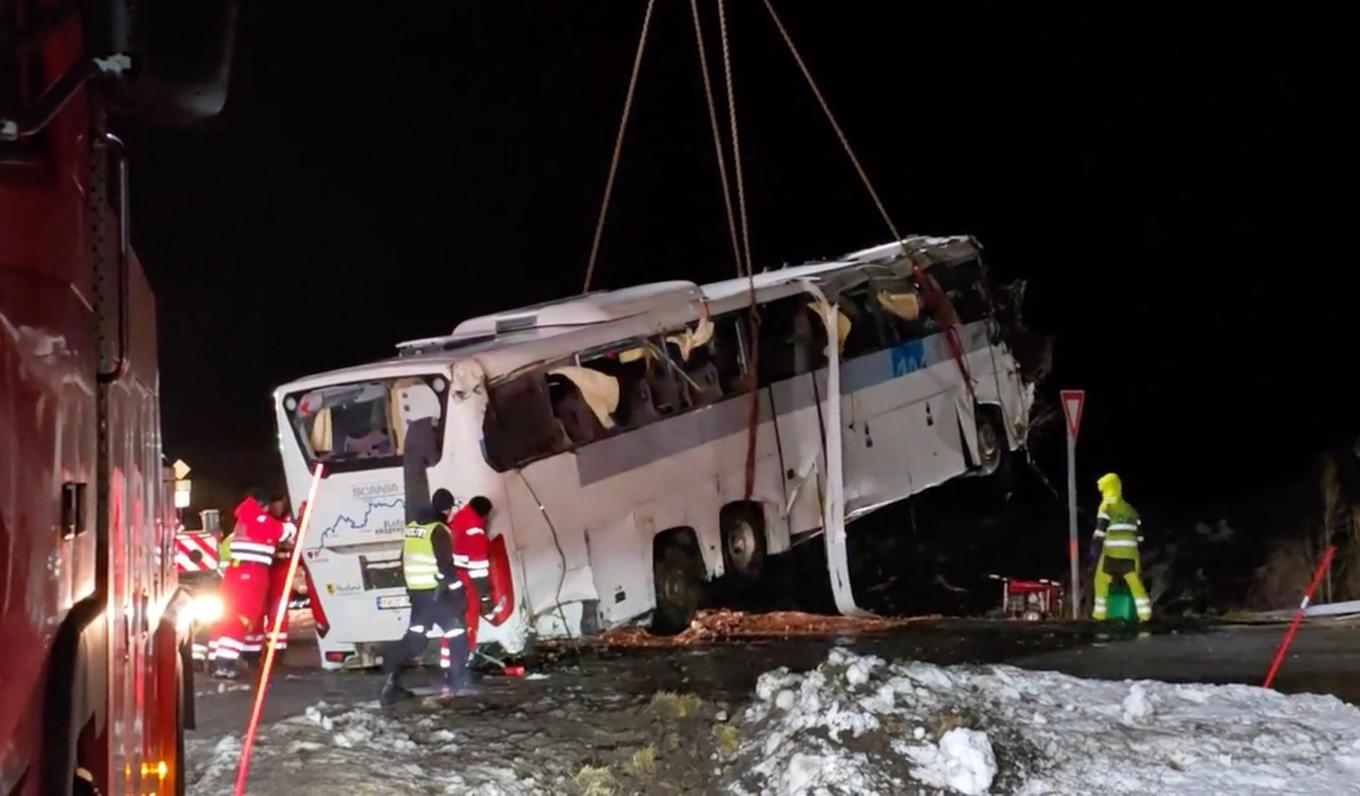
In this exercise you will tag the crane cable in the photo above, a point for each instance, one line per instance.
(835, 125)
(717, 137)
(736, 146)
(618, 146)
(951, 332)
(753, 376)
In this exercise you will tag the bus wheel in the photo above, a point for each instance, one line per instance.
(991, 442)
(743, 537)
(678, 579)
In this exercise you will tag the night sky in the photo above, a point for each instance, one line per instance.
(1177, 185)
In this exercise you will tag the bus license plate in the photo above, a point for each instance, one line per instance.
(392, 601)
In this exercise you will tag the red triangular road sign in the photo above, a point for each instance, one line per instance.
(1073, 401)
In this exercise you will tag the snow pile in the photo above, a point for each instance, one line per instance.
(859, 725)
(349, 750)
(963, 761)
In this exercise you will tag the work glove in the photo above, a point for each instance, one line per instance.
(1093, 552)
(486, 608)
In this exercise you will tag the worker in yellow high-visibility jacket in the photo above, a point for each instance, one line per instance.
(224, 552)
(1115, 545)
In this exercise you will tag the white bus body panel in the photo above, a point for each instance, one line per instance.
(579, 526)
(905, 418)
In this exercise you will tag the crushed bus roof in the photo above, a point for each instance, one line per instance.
(505, 342)
(596, 307)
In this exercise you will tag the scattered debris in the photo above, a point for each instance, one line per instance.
(714, 625)
(675, 705)
(727, 739)
(595, 781)
(643, 763)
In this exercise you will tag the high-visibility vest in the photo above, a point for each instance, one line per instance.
(418, 564)
(224, 552)
(1121, 534)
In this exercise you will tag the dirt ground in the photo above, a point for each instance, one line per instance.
(634, 714)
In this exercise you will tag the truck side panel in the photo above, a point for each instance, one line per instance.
(47, 405)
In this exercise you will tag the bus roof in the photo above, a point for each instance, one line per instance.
(507, 341)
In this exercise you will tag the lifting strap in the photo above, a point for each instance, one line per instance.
(741, 255)
(936, 302)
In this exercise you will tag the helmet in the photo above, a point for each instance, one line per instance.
(1111, 488)
(442, 501)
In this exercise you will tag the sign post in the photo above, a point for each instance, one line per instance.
(1073, 401)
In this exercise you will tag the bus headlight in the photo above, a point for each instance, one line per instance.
(207, 608)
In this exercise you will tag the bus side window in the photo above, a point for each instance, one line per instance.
(902, 312)
(809, 338)
(570, 409)
(626, 363)
(663, 377)
(727, 351)
(792, 339)
(867, 332)
(519, 425)
(965, 287)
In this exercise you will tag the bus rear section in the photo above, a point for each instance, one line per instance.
(387, 439)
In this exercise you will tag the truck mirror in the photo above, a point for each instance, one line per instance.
(181, 56)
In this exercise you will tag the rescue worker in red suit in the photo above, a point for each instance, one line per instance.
(245, 586)
(472, 555)
(430, 564)
(278, 575)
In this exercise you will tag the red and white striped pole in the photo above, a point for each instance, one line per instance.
(1298, 615)
(263, 684)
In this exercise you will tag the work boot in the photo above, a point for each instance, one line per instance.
(393, 691)
(471, 689)
(449, 694)
(224, 669)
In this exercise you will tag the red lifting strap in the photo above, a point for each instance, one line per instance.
(935, 302)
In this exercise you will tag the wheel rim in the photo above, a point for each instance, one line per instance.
(989, 448)
(674, 589)
(741, 545)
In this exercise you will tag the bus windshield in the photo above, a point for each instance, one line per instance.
(368, 424)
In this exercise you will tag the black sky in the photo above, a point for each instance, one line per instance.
(1177, 184)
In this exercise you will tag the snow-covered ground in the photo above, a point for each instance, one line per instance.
(855, 724)
(352, 750)
(859, 725)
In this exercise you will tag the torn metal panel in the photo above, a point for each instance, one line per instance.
(692, 338)
(833, 506)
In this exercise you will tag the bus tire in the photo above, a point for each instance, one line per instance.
(678, 579)
(743, 541)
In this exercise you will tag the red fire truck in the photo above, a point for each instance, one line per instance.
(94, 679)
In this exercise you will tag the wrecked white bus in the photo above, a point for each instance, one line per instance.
(613, 433)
